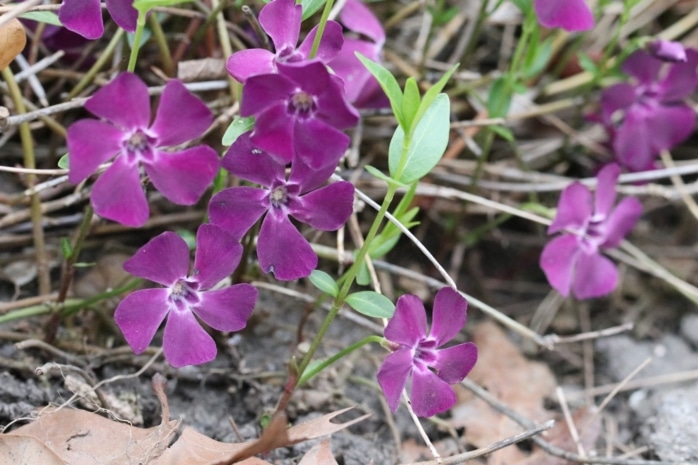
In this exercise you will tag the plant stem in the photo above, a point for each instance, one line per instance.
(312, 371)
(42, 266)
(161, 41)
(321, 28)
(140, 25)
(92, 72)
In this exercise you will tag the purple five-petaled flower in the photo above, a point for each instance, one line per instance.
(181, 176)
(85, 16)
(186, 296)
(281, 248)
(281, 20)
(419, 354)
(299, 110)
(650, 115)
(570, 15)
(573, 261)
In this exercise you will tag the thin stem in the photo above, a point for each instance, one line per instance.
(161, 41)
(321, 28)
(30, 163)
(224, 39)
(314, 370)
(140, 25)
(101, 61)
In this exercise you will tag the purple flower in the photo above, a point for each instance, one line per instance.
(281, 20)
(418, 353)
(281, 248)
(300, 111)
(573, 262)
(165, 260)
(181, 176)
(362, 89)
(85, 16)
(667, 50)
(649, 116)
(570, 15)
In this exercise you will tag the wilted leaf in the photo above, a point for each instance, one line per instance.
(12, 41)
(193, 448)
(320, 454)
(21, 450)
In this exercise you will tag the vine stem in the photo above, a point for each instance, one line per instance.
(140, 25)
(103, 58)
(310, 372)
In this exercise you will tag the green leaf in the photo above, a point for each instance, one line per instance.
(410, 102)
(499, 99)
(324, 282)
(363, 276)
(150, 4)
(238, 127)
(66, 248)
(131, 36)
(427, 146)
(389, 84)
(384, 177)
(48, 17)
(587, 63)
(371, 303)
(501, 131)
(63, 162)
(310, 7)
(540, 60)
(432, 93)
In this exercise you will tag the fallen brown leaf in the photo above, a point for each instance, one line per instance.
(320, 454)
(512, 378)
(20, 450)
(12, 41)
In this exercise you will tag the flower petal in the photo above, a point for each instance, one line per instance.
(330, 44)
(124, 101)
(668, 50)
(642, 66)
(140, 314)
(430, 394)
(308, 178)
(617, 97)
(333, 107)
(454, 363)
(185, 342)
(350, 69)
(251, 62)
(217, 255)
(164, 260)
(237, 209)
(310, 76)
(317, 144)
(327, 208)
(123, 13)
(359, 18)
(247, 162)
(83, 17)
(281, 20)
(574, 208)
(448, 315)
(392, 376)
(181, 116)
(183, 177)
(558, 262)
(682, 78)
(621, 221)
(118, 195)
(595, 276)
(570, 15)
(605, 196)
(265, 91)
(86, 151)
(274, 133)
(282, 249)
(632, 142)
(670, 126)
(227, 309)
(409, 322)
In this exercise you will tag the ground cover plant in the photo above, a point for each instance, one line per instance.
(276, 210)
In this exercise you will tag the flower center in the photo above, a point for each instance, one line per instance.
(184, 294)
(278, 196)
(302, 104)
(139, 145)
(425, 352)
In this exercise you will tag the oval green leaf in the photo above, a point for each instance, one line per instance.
(324, 282)
(371, 303)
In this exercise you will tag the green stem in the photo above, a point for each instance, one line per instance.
(321, 28)
(314, 370)
(161, 41)
(140, 25)
(101, 61)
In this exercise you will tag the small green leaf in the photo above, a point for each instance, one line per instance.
(371, 303)
(310, 7)
(63, 162)
(543, 54)
(389, 84)
(324, 282)
(499, 99)
(504, 133)
(66, 248)
(427, 146)
(587, 63)
(48, 17)
(238, 127)
(410, 101)
(384, 177)
(363, 276)
(432, 93)
(130, 37)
